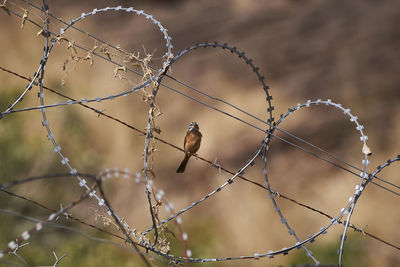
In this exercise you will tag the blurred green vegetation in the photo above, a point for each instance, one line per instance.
(17, 153)
(21, 148)
(327, 254)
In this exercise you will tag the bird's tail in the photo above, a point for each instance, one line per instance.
(183, 164)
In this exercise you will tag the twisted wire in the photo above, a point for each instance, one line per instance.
(210, 44)
(207, 44)
(365, 178)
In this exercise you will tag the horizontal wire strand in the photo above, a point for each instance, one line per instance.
(225, 113)
(305, 150)
(216, 99)
(194, 99)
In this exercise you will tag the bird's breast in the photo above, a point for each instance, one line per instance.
(192, 142)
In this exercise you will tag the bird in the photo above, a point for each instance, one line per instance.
(191, 144)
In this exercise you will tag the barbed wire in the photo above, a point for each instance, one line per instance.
(207, 44)
(200, 158)
(154, 81)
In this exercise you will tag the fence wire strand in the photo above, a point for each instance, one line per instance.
(154, 82)
(207, 44)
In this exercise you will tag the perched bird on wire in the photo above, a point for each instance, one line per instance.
(191, 144)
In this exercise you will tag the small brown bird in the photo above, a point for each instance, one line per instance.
(190, 145)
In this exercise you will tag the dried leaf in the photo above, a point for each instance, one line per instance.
(104, 50)
(71, 45)
(5, 8)
(39, 33)
(24, 17)
(118, 69)
(366, 150)
(89, 57)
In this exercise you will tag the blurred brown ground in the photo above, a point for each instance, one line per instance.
(347, 51)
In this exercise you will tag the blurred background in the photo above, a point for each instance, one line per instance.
(346, 51)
